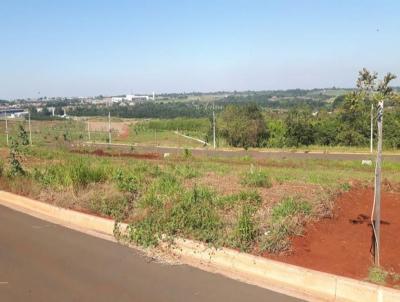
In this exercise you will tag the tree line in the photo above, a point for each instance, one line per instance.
(348, 124)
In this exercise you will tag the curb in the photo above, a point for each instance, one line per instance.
(278, 276)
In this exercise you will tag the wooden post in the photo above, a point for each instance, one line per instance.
(377, 193)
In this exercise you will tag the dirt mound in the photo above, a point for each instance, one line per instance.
(100, 152)
(342, 245)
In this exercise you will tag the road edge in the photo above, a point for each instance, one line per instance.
(273, 275)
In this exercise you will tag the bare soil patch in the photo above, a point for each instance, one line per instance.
(342, 245)
(102, 153)
(122, 128)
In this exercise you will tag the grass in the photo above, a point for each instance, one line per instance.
(256, 178)
(156, 198)
(287, 219)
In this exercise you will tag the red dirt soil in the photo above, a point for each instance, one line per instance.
(342, 245)
(103, 153)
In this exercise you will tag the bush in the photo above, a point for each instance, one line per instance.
(256, 178)
(126, 182)
(377, 275)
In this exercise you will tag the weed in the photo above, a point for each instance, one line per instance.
(1, 167)
(190, 214)
(377, 275)
(187, 153)
(126, 182)
(345, 187)
(290, 207)
(256, 178)
(81, 173)
(287, 220)
(249, 197)
(195, 216)
(186, 171)
(245, 231)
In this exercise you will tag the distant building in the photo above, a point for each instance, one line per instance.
(131, 98)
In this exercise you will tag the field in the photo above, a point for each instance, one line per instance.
(154, 132)
(296, 211)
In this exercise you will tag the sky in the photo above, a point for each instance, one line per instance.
(92, 47)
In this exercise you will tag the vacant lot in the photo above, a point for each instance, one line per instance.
(281, 209)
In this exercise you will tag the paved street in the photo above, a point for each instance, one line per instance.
(253, 153)
(41, 261)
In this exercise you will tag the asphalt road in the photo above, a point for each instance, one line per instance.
(254, 154)
(41, 261)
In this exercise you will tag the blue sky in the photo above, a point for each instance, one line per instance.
(87, 47)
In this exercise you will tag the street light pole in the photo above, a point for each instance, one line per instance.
(6, 128)
(30, 129)
(214, 142)
(372, 128)
(109, 127)
(377, 192)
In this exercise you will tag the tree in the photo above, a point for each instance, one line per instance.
(353, 119)
(23, 136)
(243, 126)
(299, 128)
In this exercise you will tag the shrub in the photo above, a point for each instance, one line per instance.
(126, 182)
(14, 157)
(377, 275)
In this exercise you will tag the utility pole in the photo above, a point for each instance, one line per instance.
(372, 128)
(214, 144)
(30, 129)
(6, 128)
(155, 136)
(88, 130)
(377, 194)
(109, 127)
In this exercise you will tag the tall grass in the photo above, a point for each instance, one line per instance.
(287, 219)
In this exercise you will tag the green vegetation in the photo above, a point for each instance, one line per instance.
(243, 126)
(377, 275)
(287, 220)
(256, 178)
(222, 202)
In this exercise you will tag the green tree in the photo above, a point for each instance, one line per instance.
(299, 128)
(243, 126)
